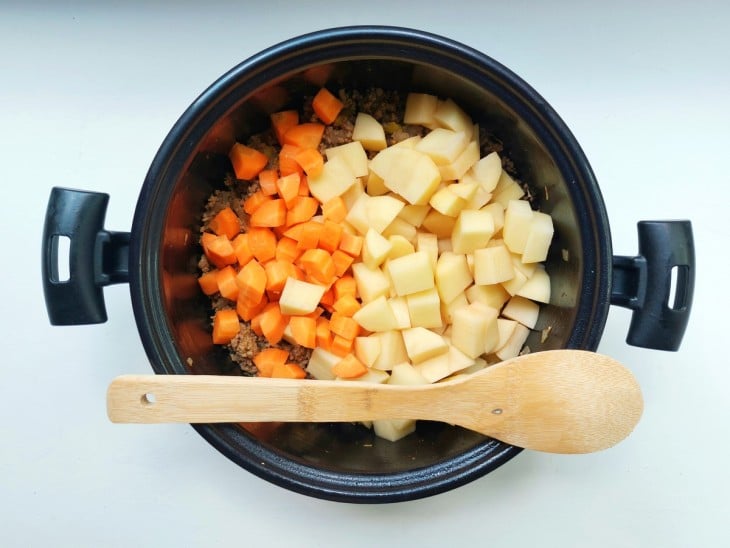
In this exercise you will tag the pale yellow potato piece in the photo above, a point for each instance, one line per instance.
(371, 282)
(488, 171)
(399, 227)
(493, 265)
(299, 297)
(446, 202)
(405, 374)
(507, 189)
(517, 219)
(414, 214)
(373, 376)
(367, 349)
(491, 295)
(400, 246)
(334, 180)
(537, 286)
(472, 230)
(422, 344)
(420, 109)
(522, 310)
(375, 248)
(469, 328)
(425, 309)
(369, 132)
(450, 115)
(463, 162)
(392, 350)
(357, 214)
(320, 364)
(452, 275)
(538, 239)
(399, 306)
(444, 146)
(411, 273)
(354, 155)
(439, 224)
(375, 185)
(447, 309)
(428, 242)
(382, 210)
(376, 316)
(393, 429)
(514, 344)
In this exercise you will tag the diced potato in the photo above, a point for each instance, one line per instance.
(439, 224)
(434, 369)
(465, 190)
(334, 180)
(369, 132)
(456, 169)
(515, 283)
(405, 374)
(492, 265)
(538, 240)
(373, 376)
(352, 194)
(507, 189)
(375, 185)
(446, 202)
(523, 310)
(450, 115)
(399, 246)
(321, 363)
(497, 212)
(472, 230)
(371, 282)
(357, 214)
(409, 142)
(488, 171)
(392, 350)
(354, 155)
(393, 429)
(411, 273)
(470, 326)
(399, 306)
(452, 275)
(443, 146)
(491, 295)
(445, 245)
(407, 172)
(528, 269)
(447, 309)
(299, 297)
(414, 214)
(376, 316)
(420, 109)
(425, 308)
(367, 349)
(505, 328)
(422, 344)
(375, 249)
(399, 227)
(428, 242)
(491, 335)
(514, 344)
(382, 210)
(480, 199)
(479, 364)
(517, 220)
(537, 286)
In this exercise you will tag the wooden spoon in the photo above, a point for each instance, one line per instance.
(559, 401)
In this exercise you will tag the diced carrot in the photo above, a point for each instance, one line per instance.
(330, 237)
(270, 214)
(302, 209)
(287, 250)
(342, 261)
(318, 264)
(267, 181)
(288, 187)
(310, 160)
(273, 323)
(349, 367)
(344, 326)
(283, 121)
(247, 311)
(315, 314)
(347, 305)
(341, 346)
(226, 280)
(304, 331)
(335, 209)
(262, 243)
(247, 162)
(328, 299)
(225, 326)
(209, 282)
(256, 324)
(326, 106)
(303, 186)
(288, 371)
(251, 280)
(287, 163)
(309, 235)
(345, 285)
(351, 244)
(306, 135)
(241, 249)
(218, 249)
(267, 358)
(226, 223)
(277, 272)
(253, 202)
(323, 333)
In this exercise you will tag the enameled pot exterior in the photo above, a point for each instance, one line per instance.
(344, 462)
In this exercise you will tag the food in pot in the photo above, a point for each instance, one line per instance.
(367, 238)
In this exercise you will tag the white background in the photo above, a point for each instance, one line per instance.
(87, 95)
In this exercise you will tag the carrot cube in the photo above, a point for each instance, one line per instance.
(330, 237)
(288, 371)
(349, 367)
(326, 106)
(241, 249)
(247, 162)
(288, 187)
(287, 163)
(225, 326)
(226, 223)
(318, 264)
(342, 261)
(304, 331)
(283, 121)
(287, 250)
(218, 249)
(267, 181)
(272, 322)
(351, 244)
(344, 326)
(270, 214)
(341, 346)
(346, 305)
(335, 209)
(254, 201)
(262, 243)
(323, 333)
(306, 135)
(268, 358)
(251, 280)
(301, 210)
(226, 280)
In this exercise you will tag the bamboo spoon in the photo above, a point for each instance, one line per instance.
(558, 401)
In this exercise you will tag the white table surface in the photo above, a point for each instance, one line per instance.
(88, 93)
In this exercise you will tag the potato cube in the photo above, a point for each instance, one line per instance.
(492, 265)
(507, 189)
(422, 344)
(376, 316)
(472, 231)
(354, 155)
(517, 222)
(373, 376)
(321, 363)
(428, 242)
(411, 273)
(392, 350)
(407, 172)
(443, 146)
(505, 328)
(452, 275)
(399, 246)
(434, 369)
(357, 214)
(334, 180)
(371, 282)
(439, 224)
(470, 326)
(456, 169)
(491, 336)
(537, 286)
(352, 194)
(450, 115)
(488, 171)
(425, 308)
(393, 429)
(375, 185)
(446, 202)
(522, 310)
(497, 212)
(420, 109)
(538, 240)
(405, 374)
(299, 297)
(382, 210)
(367, 349)
(515, 283)
(375, 249)
(514, 344)
(369, 132)
(414, 214)
(491, 295)
(447, 309)
(465, 190)
(399, 306)
(399, 227)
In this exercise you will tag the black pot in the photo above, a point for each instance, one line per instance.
(158, 257)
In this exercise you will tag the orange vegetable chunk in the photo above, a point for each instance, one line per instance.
(267, 181)
(208, 282)
(342, 261)
(218, 249)
(272, 323)
(287, 250)
(344, 326)
(349, 367)
(254, 201)
(241, 249)
(345, 285)
(323, 333)
(318, 264)
(247, 311)
(268, 358)
(306, 135)
(330, 237)
(346, 305)
(226, 223)
(283, 121)
(310, 160)
(287, 162)
(277, 272)
(288, 371)
(270, 214)
(288, 187)
(251, 280)
(326, 106)
(225, 326)
(302, 209)
(262, 242)
(335, 209)
(227, 286)
(304, 330)
(247, 162)
(351, 244)
(341, 346)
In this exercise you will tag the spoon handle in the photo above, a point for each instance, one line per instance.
(213, 398)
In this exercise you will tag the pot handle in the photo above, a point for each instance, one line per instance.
(96, 257)
(644, 284)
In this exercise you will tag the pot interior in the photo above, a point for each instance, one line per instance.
(544, 154)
